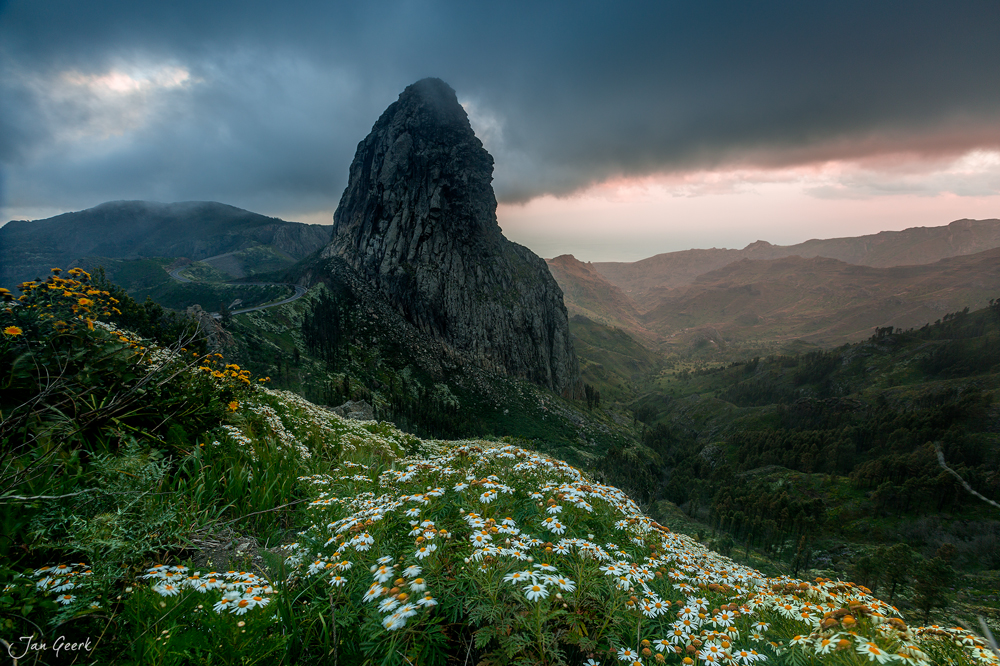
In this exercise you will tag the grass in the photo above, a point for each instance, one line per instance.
(568, 570)
(387, 548)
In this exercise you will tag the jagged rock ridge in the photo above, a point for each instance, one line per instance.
(418, 220)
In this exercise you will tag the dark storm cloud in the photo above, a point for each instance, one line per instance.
(564, 94)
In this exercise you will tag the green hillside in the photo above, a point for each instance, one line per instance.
(150, 278)
(330, 349)
(613, 361)
(162, 506)
(828, 459)
(240, 241)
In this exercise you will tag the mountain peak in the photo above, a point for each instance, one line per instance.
(435, 98)
(418, 221)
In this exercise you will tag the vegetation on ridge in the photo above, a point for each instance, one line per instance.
(828, 460)
(124, 459)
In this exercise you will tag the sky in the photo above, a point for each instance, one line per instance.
(619, 130)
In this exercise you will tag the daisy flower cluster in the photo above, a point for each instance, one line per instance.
(237, 435)
(688, 602)
(306, 421)
(61, 580)
(238, 591)
(404, 599)
(539, 580)
(407, 544)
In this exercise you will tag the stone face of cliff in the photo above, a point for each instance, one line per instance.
(418, 221)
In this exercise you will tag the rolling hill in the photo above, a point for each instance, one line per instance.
(233, 240)
(821, 292)
(586, 292)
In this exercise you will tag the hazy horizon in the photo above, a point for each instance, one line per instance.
(586, 253)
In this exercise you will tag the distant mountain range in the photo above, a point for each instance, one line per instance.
(825, 301)
(195, 230)
(917, 245)
(822, 291)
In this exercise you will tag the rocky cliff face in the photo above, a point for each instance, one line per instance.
(418, 221)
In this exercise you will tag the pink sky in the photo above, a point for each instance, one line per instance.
(630, 219)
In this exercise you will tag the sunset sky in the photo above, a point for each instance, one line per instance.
(619, 131)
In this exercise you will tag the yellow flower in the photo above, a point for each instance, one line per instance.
(233, 406)
(12, 331)
(85, 301)
(57, 271)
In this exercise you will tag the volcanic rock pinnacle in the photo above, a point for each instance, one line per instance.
(418, 220)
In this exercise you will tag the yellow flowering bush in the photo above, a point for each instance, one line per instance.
(57, 346)
(63, 302)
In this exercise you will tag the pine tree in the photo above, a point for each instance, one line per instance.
(896, 562)
(802, 555)
(866, 571)
(225, 316)
(933, 578)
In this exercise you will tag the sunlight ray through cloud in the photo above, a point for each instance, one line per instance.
(117, 81)
(92, 108)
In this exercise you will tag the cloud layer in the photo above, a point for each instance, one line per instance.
(262, 106)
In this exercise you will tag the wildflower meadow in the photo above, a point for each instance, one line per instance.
(122, 456)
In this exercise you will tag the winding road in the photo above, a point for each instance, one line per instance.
(299, 292)
(176, 274)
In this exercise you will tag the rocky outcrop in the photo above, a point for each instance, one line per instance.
(216, 337)
(359, 410)
(418, 222)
